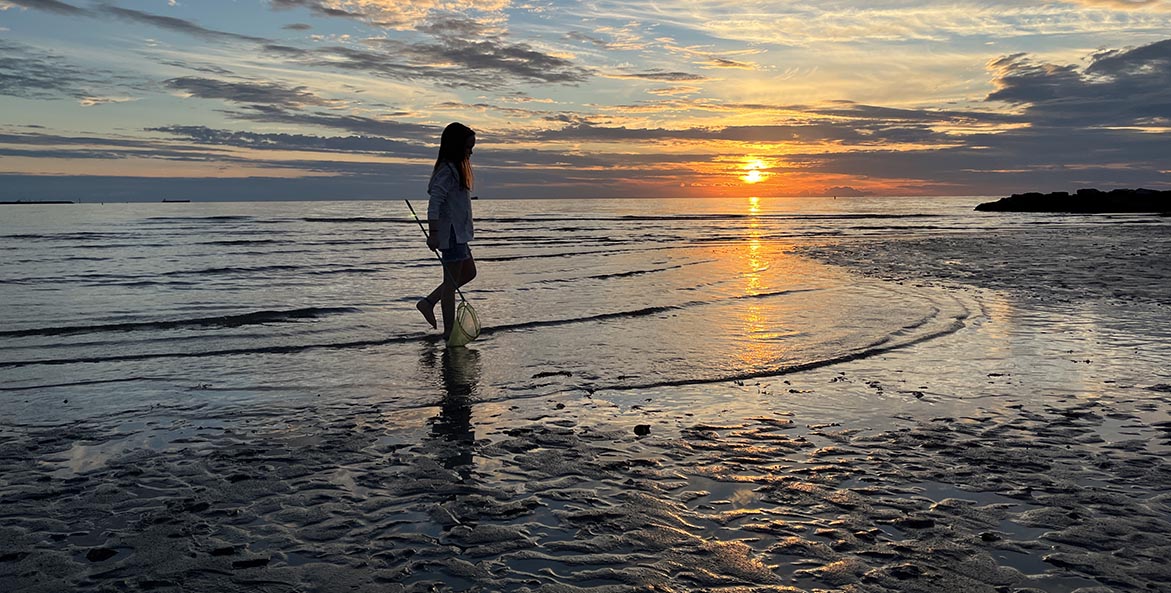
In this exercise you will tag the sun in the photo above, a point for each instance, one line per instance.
(754, 175)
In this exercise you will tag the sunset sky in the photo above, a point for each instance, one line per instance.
(345, 99)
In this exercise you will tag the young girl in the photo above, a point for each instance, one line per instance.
(449, 216)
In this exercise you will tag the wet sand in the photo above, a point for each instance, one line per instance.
(1021, 453)
(996, 493)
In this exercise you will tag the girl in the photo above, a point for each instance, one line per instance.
(449, 216)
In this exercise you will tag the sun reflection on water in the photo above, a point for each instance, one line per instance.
(757, 318)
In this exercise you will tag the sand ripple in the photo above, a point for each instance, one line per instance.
(1052, 497)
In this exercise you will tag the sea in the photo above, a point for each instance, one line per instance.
(113, 307)
(887, 394)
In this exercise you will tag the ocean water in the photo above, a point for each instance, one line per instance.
(670, 394)
(114, 307)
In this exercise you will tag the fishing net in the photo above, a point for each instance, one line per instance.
(467, 325)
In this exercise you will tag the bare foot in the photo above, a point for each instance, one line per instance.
(427, 308)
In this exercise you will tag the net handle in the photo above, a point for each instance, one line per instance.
(441, 263)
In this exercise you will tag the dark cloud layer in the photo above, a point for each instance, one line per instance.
(316, 7)
(31, 73)
(1118, 88)
(344, 144)
(92, 188)
(473, 55)
(50, 6)
(351, 123)
(246, 92)
(464, 53)
(852, 132)
(480, 64)
(661, 76)
(56, 146)
(173, 24)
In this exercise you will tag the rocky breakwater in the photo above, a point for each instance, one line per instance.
(1084, 200)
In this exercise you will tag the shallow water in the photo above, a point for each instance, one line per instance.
(893, 394)
(110, 307)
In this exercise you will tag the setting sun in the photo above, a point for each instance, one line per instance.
(753, 175)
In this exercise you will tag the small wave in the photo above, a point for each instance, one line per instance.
(288, 349)
(881, 346)
(345, 219)
(313, 270)
(233, 270)
(83, 383)
(241, 242)
(577, 253)
(626, 274)
(24, 236)
(172, 278)
(199, 218)
(223, 321)
(141, 283)
(292, 349)
(644, 312)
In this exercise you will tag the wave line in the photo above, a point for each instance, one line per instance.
(222, 321)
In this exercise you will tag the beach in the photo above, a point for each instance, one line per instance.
(802, 397)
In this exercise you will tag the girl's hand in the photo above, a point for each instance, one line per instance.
(432, 242)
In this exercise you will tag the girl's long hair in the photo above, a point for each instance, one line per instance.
(453, 145)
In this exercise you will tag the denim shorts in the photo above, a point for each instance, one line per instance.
(457, 252)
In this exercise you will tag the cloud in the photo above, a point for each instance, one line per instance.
(245, 92)
(469, 44)
(584, 38)
(391, 14)
(208, 68)
(262, 141)
(1023, 159)
(856, 111)
(673, 91)
(849, 22)
(93, 101)
(316, 7)
(660, 75)
(93, 188)
(1125, 87)
(351, 123)
(30, 73)
(866, 130)
(611, 39)
(465, 54)
(174, 24)
(47, 6)
(87, 147)
(726, 63)
(1126, 4)
(845, 191)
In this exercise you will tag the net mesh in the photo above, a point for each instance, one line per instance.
(467, 325)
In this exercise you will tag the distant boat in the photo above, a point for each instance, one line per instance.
(169, 201)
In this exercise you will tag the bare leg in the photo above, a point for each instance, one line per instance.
(426, 306)
(447, 298)
(463, 272)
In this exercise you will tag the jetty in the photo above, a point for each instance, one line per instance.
(1088, 201)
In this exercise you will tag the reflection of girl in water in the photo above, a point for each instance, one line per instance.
(449, 216)
(453, 425)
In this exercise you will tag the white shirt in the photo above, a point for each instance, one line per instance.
(451, 205)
